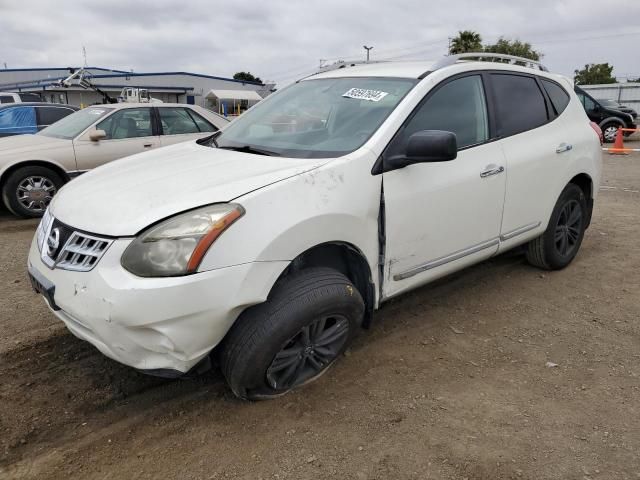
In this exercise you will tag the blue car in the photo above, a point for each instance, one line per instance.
(21, 118)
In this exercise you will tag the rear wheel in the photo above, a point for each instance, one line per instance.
(609, 132)
(294, 337)
(559, 244)
(29, 190)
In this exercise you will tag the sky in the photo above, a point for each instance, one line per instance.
(283, 40)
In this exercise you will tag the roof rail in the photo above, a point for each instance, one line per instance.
(487, 56)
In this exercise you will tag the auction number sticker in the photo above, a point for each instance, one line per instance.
(364, 94)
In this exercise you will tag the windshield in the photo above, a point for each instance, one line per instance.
(316, 118)
(76, 123)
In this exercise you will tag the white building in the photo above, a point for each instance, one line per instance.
(181, 87)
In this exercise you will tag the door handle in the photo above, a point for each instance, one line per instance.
(491, 170)
(148, 145)
(564, 147)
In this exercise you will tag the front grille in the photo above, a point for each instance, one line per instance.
(70, 249)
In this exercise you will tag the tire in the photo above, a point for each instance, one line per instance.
(609, 132)
(268, 340)
(558, 245)
(28, 191)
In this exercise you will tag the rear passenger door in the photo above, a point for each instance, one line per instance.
(536, 143)
(179, 124)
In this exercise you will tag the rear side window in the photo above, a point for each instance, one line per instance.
(520, 105)
(50, 115)
(557, 94)
(30, 97)
(203, 125)
(6, 99)
(177, 121)
(17, 120)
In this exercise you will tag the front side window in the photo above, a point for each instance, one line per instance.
(520, 105)
(176, 121)
(17, 120)
(458, 106)
(127, 123)
(76, 123)
(319, 118)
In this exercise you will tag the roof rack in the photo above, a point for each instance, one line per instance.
(487, 56)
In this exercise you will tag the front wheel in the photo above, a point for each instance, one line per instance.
(294, 337)
(559, 244)
(29, 190)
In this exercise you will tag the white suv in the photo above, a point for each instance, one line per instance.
(275, 240)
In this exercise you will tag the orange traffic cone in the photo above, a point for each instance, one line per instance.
(618, 145)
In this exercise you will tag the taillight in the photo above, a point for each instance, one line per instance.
(598, 130)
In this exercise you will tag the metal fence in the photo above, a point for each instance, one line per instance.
(624, 93)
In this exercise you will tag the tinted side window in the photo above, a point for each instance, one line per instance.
(557, 94)
(127, 123)
(458, 106)
(50, 115)
(520, 105)
(6, 99)
(17, 120)
(30, 97)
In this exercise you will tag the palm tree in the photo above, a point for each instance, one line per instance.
(466, 41)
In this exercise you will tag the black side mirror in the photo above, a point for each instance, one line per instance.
(424, 147)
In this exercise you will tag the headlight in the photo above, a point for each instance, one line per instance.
(177, 245)
(41, 232)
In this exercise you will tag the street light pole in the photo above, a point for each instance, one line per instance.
(367, 49)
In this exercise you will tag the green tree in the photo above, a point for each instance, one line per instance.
(595, 74)
(466, 41)
(513, 47)
(246, 77)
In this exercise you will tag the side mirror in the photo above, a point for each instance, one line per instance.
(97, 135)
(424, 147)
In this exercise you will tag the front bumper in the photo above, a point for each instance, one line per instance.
(153, 323)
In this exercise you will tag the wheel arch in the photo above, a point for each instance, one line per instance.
(33, 163)
(615, 120)
(345, 258)
(585, 182)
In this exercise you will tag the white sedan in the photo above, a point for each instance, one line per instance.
(34, 167)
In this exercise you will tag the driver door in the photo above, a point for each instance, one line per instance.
(442, 216)
(129, 131)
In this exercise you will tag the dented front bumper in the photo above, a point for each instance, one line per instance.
(155, 324)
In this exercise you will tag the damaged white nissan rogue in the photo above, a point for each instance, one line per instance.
(272, 242)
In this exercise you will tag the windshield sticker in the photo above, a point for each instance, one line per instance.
(364, 94)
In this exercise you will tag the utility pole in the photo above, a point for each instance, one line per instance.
(449, 49)
(368, 49)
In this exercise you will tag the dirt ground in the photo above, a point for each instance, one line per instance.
(451, 382)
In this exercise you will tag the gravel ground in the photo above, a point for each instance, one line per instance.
(452, 382)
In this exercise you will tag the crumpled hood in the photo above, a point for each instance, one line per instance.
(123, 197)
(19, 144)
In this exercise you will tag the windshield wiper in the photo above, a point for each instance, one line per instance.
(249, 149)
